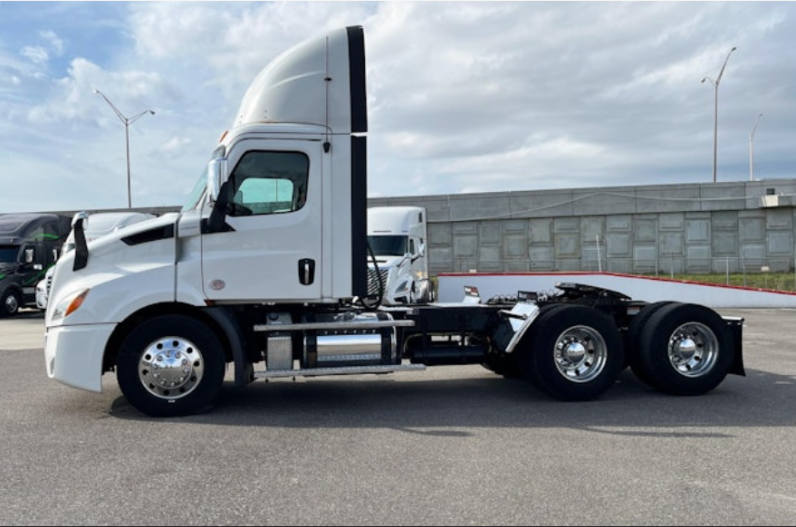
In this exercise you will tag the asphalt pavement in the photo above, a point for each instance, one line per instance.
(448, 446)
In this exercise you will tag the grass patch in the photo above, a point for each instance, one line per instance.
(771, 281)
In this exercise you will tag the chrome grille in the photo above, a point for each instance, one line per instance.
(373, 280)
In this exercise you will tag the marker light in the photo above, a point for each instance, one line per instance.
(69, 305)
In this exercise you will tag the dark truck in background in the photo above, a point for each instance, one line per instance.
(29, 245)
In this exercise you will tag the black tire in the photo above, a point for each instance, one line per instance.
(10, 304)
(179, 352)
(597, 353)
(503, 365)
(525, 347)
(686, 349)
(633, 338)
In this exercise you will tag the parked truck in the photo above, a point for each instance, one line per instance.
(101, 224)
(29, 246)
(398, 270)
(265, 270)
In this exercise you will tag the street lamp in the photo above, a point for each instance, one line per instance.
(752, 150)
(716, 111)
(126, 122)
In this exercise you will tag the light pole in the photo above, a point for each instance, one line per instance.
(126, 122)
(752, 150)
(716, 111)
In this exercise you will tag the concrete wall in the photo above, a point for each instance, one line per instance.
(696, 228)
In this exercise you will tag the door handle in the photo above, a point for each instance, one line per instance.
(306, 270)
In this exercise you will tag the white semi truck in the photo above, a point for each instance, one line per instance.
(265, 270)
(398, 270)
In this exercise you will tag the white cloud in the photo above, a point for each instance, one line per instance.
(225, 44)
(175, 144)
(35, 54)
(56, 44)
(73, 97)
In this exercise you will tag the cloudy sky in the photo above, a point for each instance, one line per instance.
(463, 96)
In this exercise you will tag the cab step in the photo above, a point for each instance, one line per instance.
(353, 370)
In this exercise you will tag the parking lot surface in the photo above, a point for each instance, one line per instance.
(451, 445)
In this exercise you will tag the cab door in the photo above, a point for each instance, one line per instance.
(270, 247)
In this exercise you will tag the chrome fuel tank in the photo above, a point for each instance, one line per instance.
(351, 346)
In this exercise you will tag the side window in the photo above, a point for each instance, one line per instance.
(412, 246)
(269, 183)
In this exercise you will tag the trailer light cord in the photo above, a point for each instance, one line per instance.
(380, 296)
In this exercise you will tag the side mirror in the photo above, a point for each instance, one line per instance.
(216, 170)
(80, 216)
(421, 249)
(55, 255)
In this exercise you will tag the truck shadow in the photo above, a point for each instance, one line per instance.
(450, 407)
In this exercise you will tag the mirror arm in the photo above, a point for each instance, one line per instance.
(217, 221)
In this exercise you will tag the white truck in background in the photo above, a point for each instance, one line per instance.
(100, 224)
(397, 237)
(266, 269)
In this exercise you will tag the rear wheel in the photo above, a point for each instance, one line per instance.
(574, 353)
(686, 349)
(10, 304)
(633, 338)
(171, 365)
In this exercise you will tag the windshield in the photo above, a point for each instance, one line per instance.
(8, 253)
(200, 189)
(197, 193)
(388, 245)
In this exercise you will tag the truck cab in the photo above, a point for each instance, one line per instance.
(29, 246)
(398, 269)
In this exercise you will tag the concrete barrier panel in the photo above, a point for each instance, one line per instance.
(451, 289)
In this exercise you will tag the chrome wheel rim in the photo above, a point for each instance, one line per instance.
(693, 350)
(171, 368)
(580, 354)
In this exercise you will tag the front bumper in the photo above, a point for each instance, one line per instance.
(74, 354)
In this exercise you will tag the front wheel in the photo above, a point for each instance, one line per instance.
(10, 304)
(574, 353)
(171, 365)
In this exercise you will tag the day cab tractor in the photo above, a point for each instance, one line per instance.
(265, 271)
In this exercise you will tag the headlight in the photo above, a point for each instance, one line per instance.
(69, 305)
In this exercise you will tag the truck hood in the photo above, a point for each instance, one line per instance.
(386, 262)
(142, 248)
